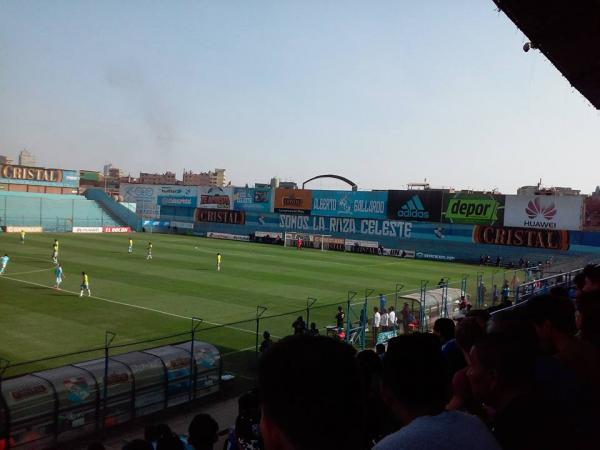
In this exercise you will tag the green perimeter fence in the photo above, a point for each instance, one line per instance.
(239, 342)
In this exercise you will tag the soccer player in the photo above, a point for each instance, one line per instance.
(149, 251)
(85, 284)
(55, 251)
(218, 262)
(299, 243)
(130, 250)
(3, 263)
(22, 236)
(58, 271)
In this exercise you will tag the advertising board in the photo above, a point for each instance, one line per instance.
(11, 229)
(228, 236)
(116, 229)
(215, 198)
(423, 206)
(220, 216)
(146, 196)
(293, 201)
(177, 201)
(182, 225)
(87, 230)
(550, 212)
(252, 199)
(368, 205)
(472, 208)
(521, 237)
(12, 174)
(328, 225)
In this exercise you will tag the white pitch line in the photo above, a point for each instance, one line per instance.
(145, 308)
(32, 271)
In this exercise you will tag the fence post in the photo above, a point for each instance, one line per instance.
(422, 308)
(363, 325)
(196, 321)
(351, 295)
(309, 302)
(399, 287)
(260, 310)
(109, 336)
(445, 297)
(4, 364)
(480, 288)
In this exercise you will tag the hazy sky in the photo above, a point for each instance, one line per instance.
(385, 93)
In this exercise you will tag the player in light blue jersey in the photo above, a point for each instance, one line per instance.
(3, 263)
(58, 272)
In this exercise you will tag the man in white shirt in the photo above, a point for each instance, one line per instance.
(417, 397)
(384, 320)
(392, 318)
(376, 324)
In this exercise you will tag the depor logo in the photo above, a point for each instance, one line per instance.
(413, 209)
(472, 210)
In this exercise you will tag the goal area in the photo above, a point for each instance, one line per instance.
(318, 241)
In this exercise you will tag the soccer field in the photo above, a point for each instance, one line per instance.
(139, 299)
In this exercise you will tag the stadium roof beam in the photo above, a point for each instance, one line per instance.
(337, 177)
(567, 33)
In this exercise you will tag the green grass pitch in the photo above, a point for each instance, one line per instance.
(139, 299)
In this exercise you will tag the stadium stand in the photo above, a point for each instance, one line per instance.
(52, 212)
(119, 212)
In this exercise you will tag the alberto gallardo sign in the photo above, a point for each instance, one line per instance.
(521, 237)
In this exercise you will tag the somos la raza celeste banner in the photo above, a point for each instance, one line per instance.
(371, 205)
(328, 225)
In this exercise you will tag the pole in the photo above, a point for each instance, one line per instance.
(109, 336)
(260, 310)
(309, 302)
(351, 295)
(196, 321)
(423, 325)
(445, 297)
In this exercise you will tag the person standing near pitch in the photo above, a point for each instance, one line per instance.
(55, 251)
(130, 249)
(22, 236)
(218, 262)
(58, 271)
(85, 284)
(3, 263)
(149, 251)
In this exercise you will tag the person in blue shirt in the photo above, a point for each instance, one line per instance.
(3, 263)
(58, 272)
(382, 302)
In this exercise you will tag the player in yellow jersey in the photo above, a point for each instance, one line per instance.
(218, 262)
(55, 251)
(85, 284)
(149, 251)
(130, 249)
(22, 236)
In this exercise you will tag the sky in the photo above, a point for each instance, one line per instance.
(384, 93)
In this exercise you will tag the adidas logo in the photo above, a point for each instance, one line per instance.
(413, 209)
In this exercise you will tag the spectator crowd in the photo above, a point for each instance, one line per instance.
(525, 378)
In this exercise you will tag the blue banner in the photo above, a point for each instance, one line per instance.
(252, 199)
(177, 201)
(368, 205)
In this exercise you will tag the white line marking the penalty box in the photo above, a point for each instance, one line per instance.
(145, 308)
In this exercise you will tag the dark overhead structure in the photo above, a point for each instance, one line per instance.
(567, 33)
(337, 177)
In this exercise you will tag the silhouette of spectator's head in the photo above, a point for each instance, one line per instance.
(203, 432)
(311, 398)
(444, 328)
(415, 381)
